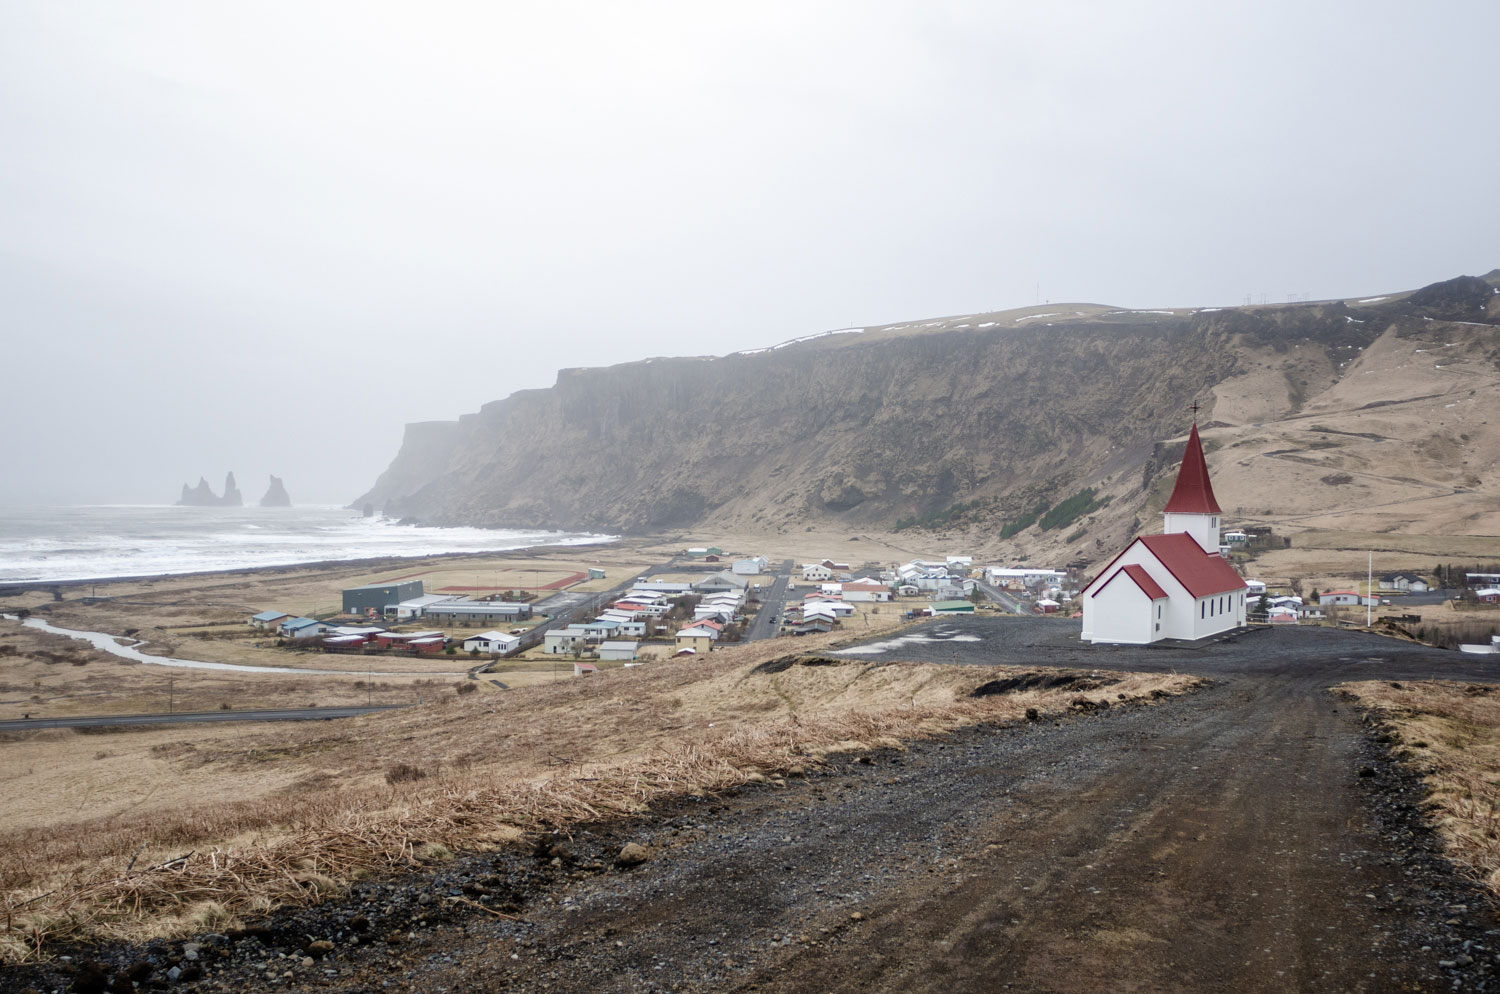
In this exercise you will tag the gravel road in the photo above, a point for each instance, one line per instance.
(1249, 837)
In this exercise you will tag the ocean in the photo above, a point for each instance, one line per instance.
(101, 541)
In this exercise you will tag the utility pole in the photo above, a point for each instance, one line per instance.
(171, 693)
(1369, 587)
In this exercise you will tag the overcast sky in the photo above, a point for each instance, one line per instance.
(263, 236)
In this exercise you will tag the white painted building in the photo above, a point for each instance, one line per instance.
(500, 642)
(617, 651)
(413, 608)
(754, 566)
(816, 572)
(562, 641)
(1174, 585)
(1347, 597)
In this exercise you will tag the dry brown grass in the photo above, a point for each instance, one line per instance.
(317, 810)
(1451, 731)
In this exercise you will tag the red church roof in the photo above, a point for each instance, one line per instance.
(1142, 579)
(1193, 494)
(1202, 573)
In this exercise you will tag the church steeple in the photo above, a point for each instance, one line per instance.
(1192, 507)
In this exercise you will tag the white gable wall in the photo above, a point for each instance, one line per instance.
(1121, 612)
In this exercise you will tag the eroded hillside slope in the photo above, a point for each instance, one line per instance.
(1379, 408)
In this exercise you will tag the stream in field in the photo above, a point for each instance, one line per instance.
(111, 644)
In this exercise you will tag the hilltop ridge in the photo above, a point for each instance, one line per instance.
(971, 423)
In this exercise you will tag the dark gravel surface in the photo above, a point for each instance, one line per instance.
(1250, 837)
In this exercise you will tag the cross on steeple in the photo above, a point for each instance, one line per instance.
(1194, 406)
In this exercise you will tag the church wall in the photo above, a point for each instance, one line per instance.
(1204, 625)
(1120, 613)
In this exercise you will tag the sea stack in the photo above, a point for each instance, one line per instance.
(276, 495)
(200, 496)
(203, 495)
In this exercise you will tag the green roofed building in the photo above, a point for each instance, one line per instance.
(379, 596)
(952, 607)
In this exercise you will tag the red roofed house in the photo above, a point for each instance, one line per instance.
(1173, 585)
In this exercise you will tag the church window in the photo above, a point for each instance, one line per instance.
(1203, 609)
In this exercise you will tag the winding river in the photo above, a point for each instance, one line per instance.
(109, 644)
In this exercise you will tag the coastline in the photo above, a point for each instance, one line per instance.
(13, 587)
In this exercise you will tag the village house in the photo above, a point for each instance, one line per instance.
(754, 566)
(697, 638)
(722, 580)
(618, 651)
(268, 620)
(1488, 595)
(1403, 582)
(345, 641)
(1173, 585)
(599, 629)
(492, 642)
(302, 628)
(866, 589)
(584, 669)
(564, 641)
(816, 572)
(403, 640)
(1346, 598)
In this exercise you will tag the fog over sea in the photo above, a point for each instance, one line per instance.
(99, 541)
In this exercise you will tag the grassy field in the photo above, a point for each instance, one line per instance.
(316, 806)
(1452, 732)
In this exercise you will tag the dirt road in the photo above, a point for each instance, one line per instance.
(1249, 837)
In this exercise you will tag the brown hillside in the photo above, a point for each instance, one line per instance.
(1369, 415)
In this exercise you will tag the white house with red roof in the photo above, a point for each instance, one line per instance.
(1174, 585)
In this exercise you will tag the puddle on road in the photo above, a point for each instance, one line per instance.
(938, 637)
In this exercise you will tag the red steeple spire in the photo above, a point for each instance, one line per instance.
(1193, 494)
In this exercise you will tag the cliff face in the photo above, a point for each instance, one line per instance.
(276, 495)
(899, 421)
(203, 495)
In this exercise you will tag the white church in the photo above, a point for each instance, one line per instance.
(1174, 585)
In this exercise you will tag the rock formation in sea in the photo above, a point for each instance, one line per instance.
(200, 496)
(203, 495)
(276, 495)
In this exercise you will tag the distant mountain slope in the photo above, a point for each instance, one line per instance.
(999, 414)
